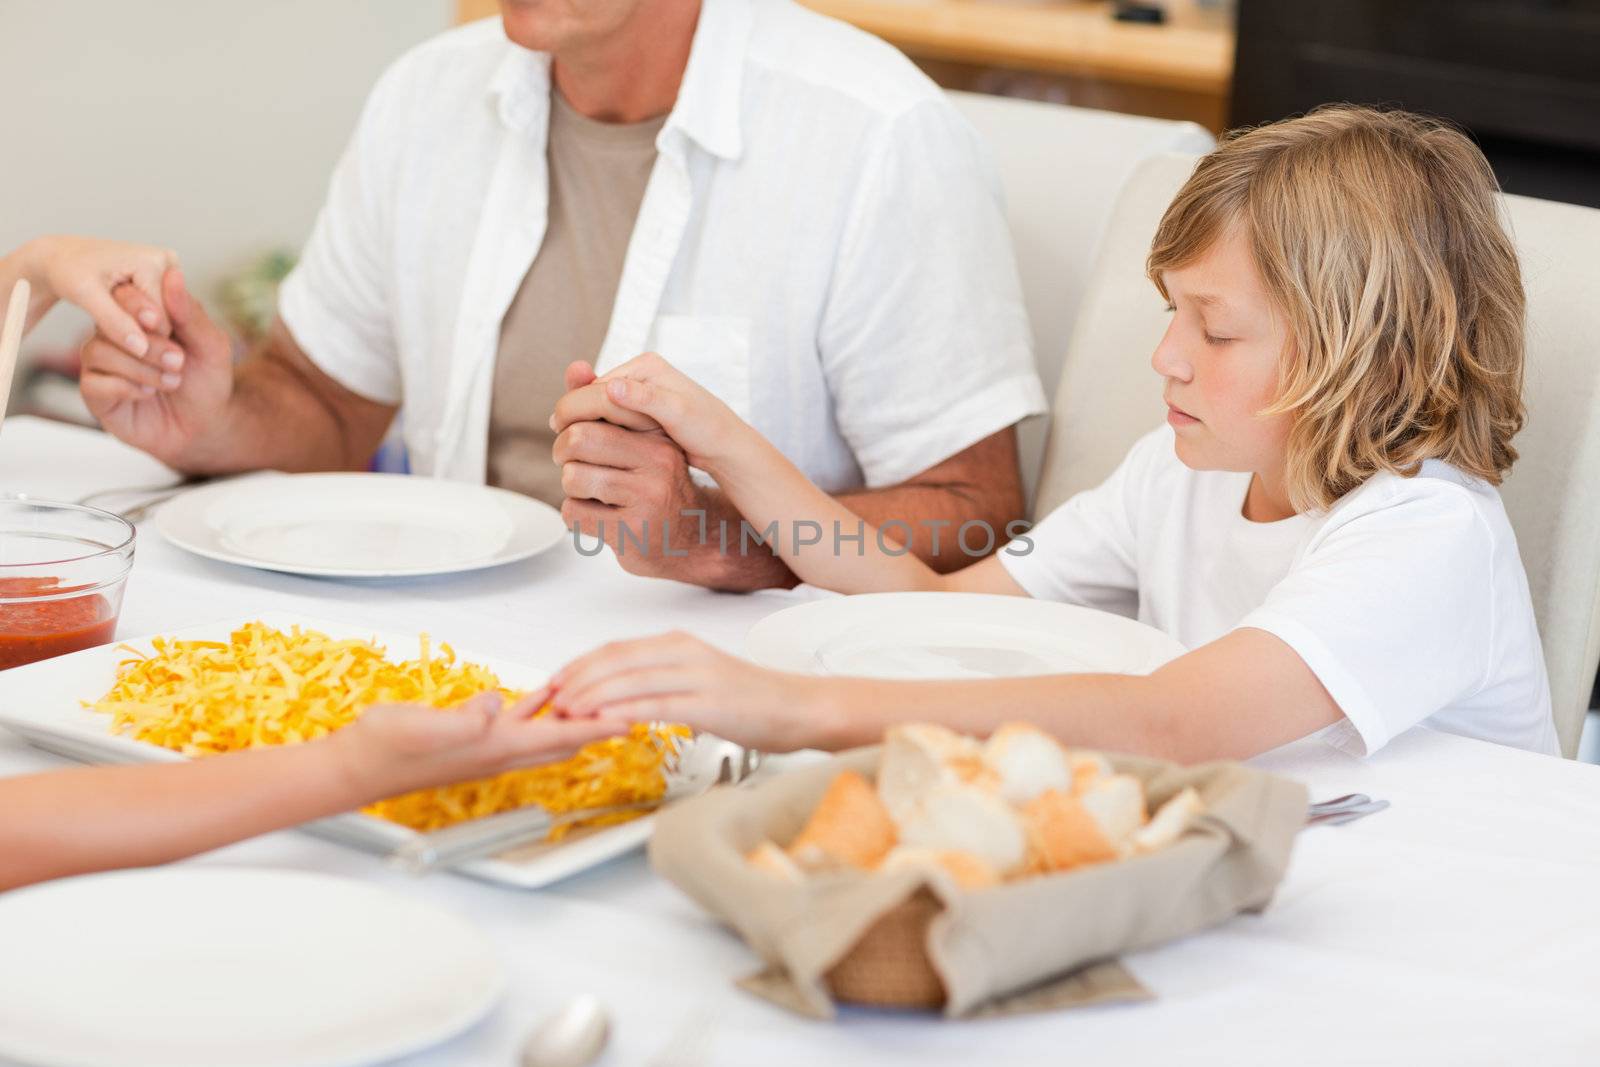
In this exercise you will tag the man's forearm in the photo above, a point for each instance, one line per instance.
(730, 555)
(947, 526)
(280, 416)
(950, 516)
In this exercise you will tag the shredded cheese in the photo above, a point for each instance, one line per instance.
(267, 687)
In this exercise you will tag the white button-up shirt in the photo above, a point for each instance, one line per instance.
(821, 244)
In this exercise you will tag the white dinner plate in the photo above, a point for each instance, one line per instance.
(358, 525)
(954, 635)
(44, 703)
(232, 967)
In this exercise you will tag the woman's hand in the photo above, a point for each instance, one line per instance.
(648, 392)
(679, 678)
(395, 748)
(84, 271)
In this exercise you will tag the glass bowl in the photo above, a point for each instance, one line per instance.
(62, 571)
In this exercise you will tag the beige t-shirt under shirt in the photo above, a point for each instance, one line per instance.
(598, 173)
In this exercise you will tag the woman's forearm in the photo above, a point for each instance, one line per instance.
(98, 818)
(25, 263)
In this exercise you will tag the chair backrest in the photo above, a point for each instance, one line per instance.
(1553, 492)
(1061, 169)
(1108, 396)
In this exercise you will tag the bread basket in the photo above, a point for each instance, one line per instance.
(906, 939)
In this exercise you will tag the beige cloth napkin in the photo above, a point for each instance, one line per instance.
(1036, 944)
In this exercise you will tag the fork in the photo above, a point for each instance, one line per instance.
(477, 838)
(158, 494)
(1343, 809)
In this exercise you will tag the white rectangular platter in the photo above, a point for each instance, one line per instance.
(43, 703)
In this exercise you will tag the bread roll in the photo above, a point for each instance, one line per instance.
(770, 859)
(1062, 834)
(1027, 761)
(1116, 802)
(966, 818)
(962, 869)
(1085, 767)
(848, 828)
(920, 756)
(1169, 822)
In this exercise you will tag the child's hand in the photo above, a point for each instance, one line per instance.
(647, 392)
(395, 748)
(679, 678)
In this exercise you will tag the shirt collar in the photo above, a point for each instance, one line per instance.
(707, 110)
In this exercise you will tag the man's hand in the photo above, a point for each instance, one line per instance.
(630, 489)
(648, 393)
(628, 484)
(178, 393)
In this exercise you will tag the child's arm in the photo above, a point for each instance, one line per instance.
(1238, 696)
(768, 490)
(99, 818)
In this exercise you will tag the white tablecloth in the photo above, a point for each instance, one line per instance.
(1457, 927)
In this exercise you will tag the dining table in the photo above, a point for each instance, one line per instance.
(1458, 926)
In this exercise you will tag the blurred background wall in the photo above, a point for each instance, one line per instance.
(208, 126)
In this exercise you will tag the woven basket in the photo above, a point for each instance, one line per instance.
(889, 966)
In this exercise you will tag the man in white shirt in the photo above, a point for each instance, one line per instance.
(816, 237)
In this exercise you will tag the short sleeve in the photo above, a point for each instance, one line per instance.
(1393, 610)
(924, 341)
(337, 301)
(1086, 551)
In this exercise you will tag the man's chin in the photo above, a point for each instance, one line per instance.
(533, 24)
(528, 30)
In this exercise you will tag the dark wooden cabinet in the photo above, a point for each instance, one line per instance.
(1522, 75)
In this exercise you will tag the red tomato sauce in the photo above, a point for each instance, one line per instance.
(44, 628)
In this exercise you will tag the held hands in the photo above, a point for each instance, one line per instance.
(625, 468)
(172, 396)
(396, 748)
(648, 393)
(679, 678)
(84, 271)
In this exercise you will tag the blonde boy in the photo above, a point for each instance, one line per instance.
(1318, 521)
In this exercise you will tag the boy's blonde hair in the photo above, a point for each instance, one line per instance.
(1379, 238)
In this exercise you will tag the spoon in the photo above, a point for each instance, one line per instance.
(571, 1037)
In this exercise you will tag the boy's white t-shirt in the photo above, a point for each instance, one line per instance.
(1407, 598)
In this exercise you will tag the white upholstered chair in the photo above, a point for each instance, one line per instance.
(1109, 396)
(1061, 169)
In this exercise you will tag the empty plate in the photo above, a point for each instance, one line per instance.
(359, 525)
(232, 967)
(954, 635)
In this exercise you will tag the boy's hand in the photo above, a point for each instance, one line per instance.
(680, 678)
(396, 748)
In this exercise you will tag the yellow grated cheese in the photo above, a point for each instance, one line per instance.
(268, 687)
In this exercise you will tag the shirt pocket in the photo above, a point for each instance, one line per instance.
(714, 350)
